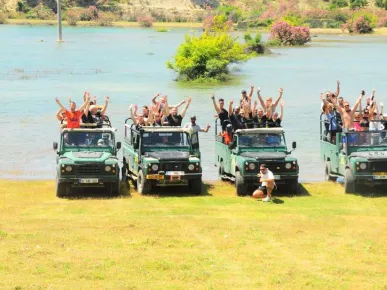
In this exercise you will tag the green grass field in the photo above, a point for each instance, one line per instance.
(322, 239)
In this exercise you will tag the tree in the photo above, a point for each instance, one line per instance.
(381, 3)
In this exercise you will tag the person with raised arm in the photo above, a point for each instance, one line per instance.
(174, 119)
(94, 114)
(73, 116)
(347, 113)
(259, 117)
(275, 121)
(195, 127)
(235, 117)
(139, 121)
(220, 110)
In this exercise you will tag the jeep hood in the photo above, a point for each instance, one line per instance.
(169, 155)
(265, 155)
(87, 156)
(370, 155)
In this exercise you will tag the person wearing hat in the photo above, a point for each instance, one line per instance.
(94, 114)
(195, 127)
(266, 177)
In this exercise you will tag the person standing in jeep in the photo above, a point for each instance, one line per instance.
(221, 111)
(174, 119)
(73, 116)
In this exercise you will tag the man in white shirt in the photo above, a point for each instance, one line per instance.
(267, 186)
(196, 128)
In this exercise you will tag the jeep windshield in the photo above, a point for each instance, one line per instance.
(175, 140)
(268, 140)
(97, 141)
(369, 140)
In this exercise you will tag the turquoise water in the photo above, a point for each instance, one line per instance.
(128, 64)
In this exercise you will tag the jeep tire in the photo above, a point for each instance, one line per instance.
(61, 189)
(328, 171)
(195, 185)
(241, 188)
(293, 186)
(221, 171)
(143, 185)
(349, 183)
(115, 188)
(124, 169)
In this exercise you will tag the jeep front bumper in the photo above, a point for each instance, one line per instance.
(279, 179)
(173, 177)
(89, 181)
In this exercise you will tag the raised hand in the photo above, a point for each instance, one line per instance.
(259, 90)
(189, 100)
(213, 97)
(135, 107)
(56, 99)
(252, 87)
(255, 103)
(282, 104)
(232, 102)
(338, 82)
(322, 96)
(107, 98)
(70, 99)
(281, 90)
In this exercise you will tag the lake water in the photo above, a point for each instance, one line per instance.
(128, 64)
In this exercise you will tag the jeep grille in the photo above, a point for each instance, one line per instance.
(88, 169)
(173, 166)
(378, 166)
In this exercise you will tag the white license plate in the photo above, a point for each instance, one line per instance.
(276, 177)
(380, 176)
(88, 180)
(174, 173)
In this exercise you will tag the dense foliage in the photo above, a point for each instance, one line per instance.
(207, 57)
(381, 3)
(360, 24)
(287, 34)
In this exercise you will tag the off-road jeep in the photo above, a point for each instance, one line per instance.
(87, 158)
(359, 157)
(240, 160)
(161, 156)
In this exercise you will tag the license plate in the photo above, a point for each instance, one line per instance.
(155, 176)
(88, 180)
(380, 173)
(380, 176)
(174, 173)
(277, 177)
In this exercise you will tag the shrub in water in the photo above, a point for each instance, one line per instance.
(145, 21)
(89, 14)
(287, 34)
(254, 44)
(207, 57)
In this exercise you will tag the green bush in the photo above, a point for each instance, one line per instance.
(23, 7)
(338, 4)
(381, 3)
(254, 44)
(234, 14)
(293, 20)
(3, 17)
(356, 4)
(161, 29)
(207, 57)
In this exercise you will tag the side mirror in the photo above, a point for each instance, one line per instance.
(118, 145)
(294, 145)
(55, 145)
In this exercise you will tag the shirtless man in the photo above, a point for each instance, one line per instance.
(347, 113)
(269, 105)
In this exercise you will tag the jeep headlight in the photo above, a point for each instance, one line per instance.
(288, 165)
(363, 166)
(108, 168)
(155, 167)
(191, 167)
(251, 166)
(68, 168)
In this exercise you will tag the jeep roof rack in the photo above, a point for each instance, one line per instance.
(260, 131)
(110, 129)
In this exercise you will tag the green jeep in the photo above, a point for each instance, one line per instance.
(359, 157)
(240, 160)
(87, 158)
(161, 156)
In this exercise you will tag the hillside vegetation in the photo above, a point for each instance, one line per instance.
(322, 239)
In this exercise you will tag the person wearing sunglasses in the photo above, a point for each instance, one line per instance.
(266, 177)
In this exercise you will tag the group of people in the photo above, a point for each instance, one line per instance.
(161, 113)
(244, 115)
(339, 115)
(88, 113)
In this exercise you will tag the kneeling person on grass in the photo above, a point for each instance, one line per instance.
(267, 186)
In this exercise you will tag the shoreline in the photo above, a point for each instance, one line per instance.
(124, 24)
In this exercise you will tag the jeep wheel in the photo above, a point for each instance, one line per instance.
(143, 185)
(195, 185)
(349, 183)
(124, 177)
(241, 188)
(115, 189)
(293, 186)
(328, 171)
(221, 171)
(61, 189)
